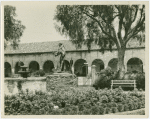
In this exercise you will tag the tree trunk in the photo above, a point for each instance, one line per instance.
(121, 67)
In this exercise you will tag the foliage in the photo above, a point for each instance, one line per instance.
(140, 81)
(126, 107)
(72, 101)
(120, 107)
(103, 25)
(39, 73)
(104, 78)
(91, 23)
(138, 76)
(114, 109)
(13, 29)
(106, 75)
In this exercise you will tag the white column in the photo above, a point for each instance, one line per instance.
(93, 73)
(143, 68)
(13, 71)
(72, 69)
(89, 70)
(106, 65)
(41, 67)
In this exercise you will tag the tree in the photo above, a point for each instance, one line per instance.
(104, 25)
(13, 29)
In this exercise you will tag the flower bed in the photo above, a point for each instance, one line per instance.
(74, 101)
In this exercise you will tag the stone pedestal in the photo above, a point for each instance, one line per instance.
(60, 80)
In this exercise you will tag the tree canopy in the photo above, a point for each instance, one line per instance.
(104, 25)
(13, 29)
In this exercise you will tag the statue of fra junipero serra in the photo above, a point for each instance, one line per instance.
(62, 52)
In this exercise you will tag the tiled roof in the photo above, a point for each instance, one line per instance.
(50, 46)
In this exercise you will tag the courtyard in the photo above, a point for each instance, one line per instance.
(74, 59)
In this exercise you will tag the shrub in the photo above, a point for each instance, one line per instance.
(138, 76)
(120, 107)
(95, 110)
(140, 81)
(139, 105)
(56, 112)
(104, 79)
(104, 99)
(143, 104)
(113, 104)
(135, 105)
(71, 101)
(107, 110)
(87, 111)
(114, 109)
(102, 110)
(39, 73)
(131, 106)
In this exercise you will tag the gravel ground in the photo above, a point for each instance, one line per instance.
(134, 112)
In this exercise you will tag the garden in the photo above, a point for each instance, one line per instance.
(74, 101)
(64, 97)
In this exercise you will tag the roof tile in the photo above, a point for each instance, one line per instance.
(52, 46)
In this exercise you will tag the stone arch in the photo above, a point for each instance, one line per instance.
(17, 66)
(34, 66)
(7, 67)
(99, 64)
(66, 65)
(135, 64)
(80, 68)
(113, 64)
(48, 66)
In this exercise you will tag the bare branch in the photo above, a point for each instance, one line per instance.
(135, 14)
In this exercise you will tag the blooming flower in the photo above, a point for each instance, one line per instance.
(56, 107)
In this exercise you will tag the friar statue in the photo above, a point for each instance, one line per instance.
(62, 52)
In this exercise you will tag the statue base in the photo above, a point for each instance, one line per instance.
(59, 71)
(58, 81)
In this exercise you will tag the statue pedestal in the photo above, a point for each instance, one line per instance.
(60, 80)
(62, 74)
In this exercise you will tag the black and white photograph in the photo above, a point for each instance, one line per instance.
(74, 58)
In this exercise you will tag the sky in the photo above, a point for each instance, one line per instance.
(37, 17)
